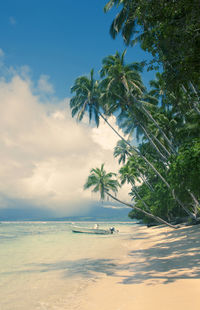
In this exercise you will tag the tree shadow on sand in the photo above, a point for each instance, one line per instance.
(168, 260)
(87, 268)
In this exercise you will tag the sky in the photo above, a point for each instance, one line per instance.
(45, 155)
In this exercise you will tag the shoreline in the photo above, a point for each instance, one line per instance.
(156, 268)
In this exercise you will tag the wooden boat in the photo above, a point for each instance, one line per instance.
(95, 230)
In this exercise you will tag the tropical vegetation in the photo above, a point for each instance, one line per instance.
(163, 168)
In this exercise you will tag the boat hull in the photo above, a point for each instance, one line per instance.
(95, 231)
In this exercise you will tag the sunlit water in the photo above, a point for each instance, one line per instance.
(46, 266)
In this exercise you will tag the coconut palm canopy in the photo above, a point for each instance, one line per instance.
(102, 182)
(86, 98)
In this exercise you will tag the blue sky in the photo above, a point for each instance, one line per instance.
(45, 155)
(62, 39)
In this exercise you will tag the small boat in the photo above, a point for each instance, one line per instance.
(96, 230)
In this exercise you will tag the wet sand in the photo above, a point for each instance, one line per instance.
(157, 268)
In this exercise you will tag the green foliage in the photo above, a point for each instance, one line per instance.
(169, 30)
(185, 170)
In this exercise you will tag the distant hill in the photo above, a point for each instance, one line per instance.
(95, 213)
(101, 214)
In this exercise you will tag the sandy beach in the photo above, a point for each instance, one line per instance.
(157, 268)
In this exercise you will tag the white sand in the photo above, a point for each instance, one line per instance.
(158, 268)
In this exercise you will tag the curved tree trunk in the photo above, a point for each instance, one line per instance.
(152, 143)
(140, 198)
(194, 103)
(196, 203)
(148, 135)
(156, 218)
(159, 128)
(182, 205)
(160, 143)
(141, 175)
(146, 182)
(196, 108)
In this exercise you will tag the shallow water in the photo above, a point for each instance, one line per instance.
(46, 266)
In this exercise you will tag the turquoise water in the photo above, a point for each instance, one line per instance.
(46, 266)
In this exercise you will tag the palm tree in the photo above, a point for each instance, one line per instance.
(86, 98)
(104, 183)
(123, 88)
(122, 150)
(116, 73)
(125, 19)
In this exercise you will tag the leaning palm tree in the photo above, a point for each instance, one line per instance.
(123, 86)
(88, 99)
(105, 183)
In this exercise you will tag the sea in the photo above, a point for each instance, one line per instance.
(45, 266)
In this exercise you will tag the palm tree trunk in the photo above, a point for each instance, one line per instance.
(160, 143)
(182, 205)
(141, 175)
(140, 198)
(196, 108)
(151, 118)
(194, 103)
(156, 218)
(146, 182)
(152, 143)
(148, 136)
(196, 203)
(159, 128)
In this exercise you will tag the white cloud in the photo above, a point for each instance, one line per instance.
(44, 85)
(105, 136)
(45, 155)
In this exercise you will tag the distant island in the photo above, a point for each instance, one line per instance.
(96, 213)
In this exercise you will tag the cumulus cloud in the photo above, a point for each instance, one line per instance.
(46, 155)
(105, 136)
(44, 85)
